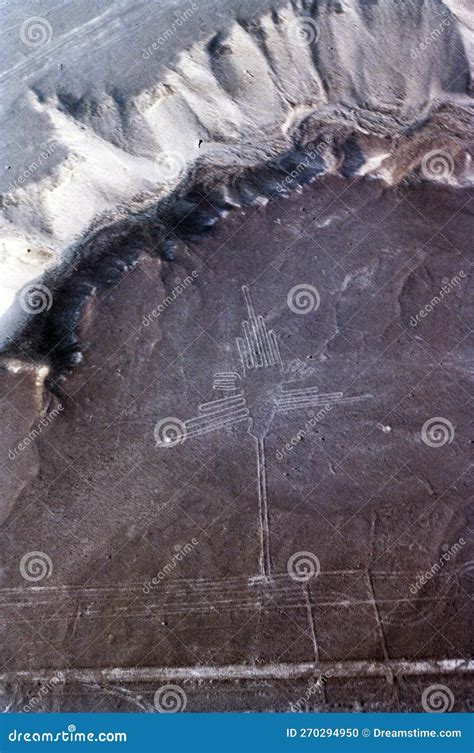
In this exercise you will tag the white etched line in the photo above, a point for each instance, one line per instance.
(283, 405)
(222, 402)
(299, 401)
(215, 423)
(244, 357)
(226, 381)
(248, 343)
(275, 348)
(265, 340)
(236, 418)
(265, 563)
(217, 416)
(254, 326)
(277, 671)
(253, 344)
(257, 335)
(309, 391)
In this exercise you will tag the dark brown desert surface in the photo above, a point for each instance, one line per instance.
(281, 535)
